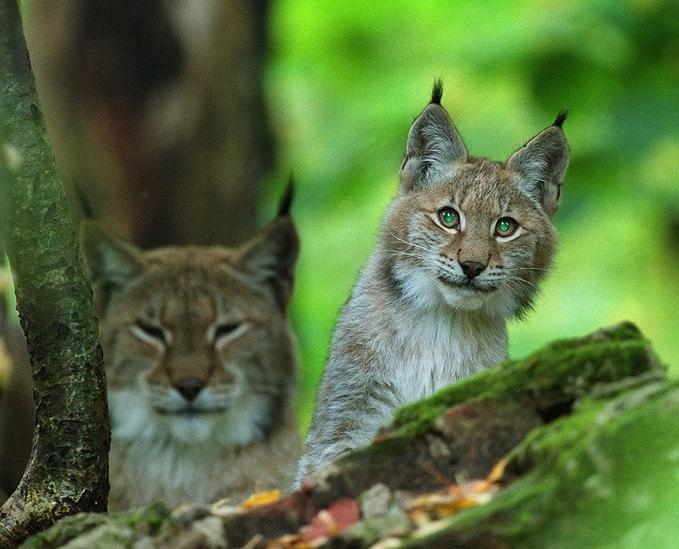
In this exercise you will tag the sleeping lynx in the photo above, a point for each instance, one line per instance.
(462, 248)
(200, 365)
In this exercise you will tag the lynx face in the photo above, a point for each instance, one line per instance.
(196, 340)
(470, 232)
(472, 240)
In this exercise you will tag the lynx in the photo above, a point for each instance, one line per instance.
(462, 249)
(200, 365)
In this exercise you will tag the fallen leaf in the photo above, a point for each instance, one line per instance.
(498, 471)
(260, 498)
(430, 507)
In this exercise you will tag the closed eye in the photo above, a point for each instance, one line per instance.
(150, 333)
(228, 331)
(223, 330)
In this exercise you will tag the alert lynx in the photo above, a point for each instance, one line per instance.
(200, 365)
(462, 248)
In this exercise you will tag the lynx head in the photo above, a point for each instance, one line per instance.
(196, 340)
(469, 232)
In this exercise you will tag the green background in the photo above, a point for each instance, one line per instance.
(346, 79)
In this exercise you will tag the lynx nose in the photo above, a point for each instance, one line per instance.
(472, 269)
(189, 387)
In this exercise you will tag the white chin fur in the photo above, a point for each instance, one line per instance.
(500, 303)
(425, 290)
(197, 428)
(132, 417)
(460, 298)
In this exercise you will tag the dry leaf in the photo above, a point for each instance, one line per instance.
(260, 498)
(429, 507)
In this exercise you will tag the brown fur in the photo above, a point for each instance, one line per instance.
(200, 364)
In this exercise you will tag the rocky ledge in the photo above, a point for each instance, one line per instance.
(576, 445)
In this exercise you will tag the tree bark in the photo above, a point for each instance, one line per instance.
(68, 467)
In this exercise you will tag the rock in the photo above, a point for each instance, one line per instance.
(576, 445)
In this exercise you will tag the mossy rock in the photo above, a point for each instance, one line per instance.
(604, 476)
(91, 530)
(587, 429)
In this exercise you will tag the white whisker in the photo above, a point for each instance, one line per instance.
(408, 254)
(413, 244)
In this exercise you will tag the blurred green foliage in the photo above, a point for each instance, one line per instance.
(346, 79)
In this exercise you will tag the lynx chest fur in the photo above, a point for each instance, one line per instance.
(462, 248)
(200, 366)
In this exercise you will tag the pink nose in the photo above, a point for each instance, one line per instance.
(472, 269)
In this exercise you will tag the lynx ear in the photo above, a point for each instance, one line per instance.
(111, 262)
(434, 147)
(272, 254)
(541, 164)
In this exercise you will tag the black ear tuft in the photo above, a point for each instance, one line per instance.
(560, 118)
(437, 92)
(271, 256)
(434, 148)
(541, 165)
(286, 200)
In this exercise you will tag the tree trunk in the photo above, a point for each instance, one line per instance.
(68, 467)
(156, 112)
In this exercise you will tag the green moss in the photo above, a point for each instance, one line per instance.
(505, 517)
(148, 519)
(65, 530)
(604, 476)
(623, 331)
(101, 530)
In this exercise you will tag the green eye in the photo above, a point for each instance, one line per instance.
(506, 226)
(449, 218)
